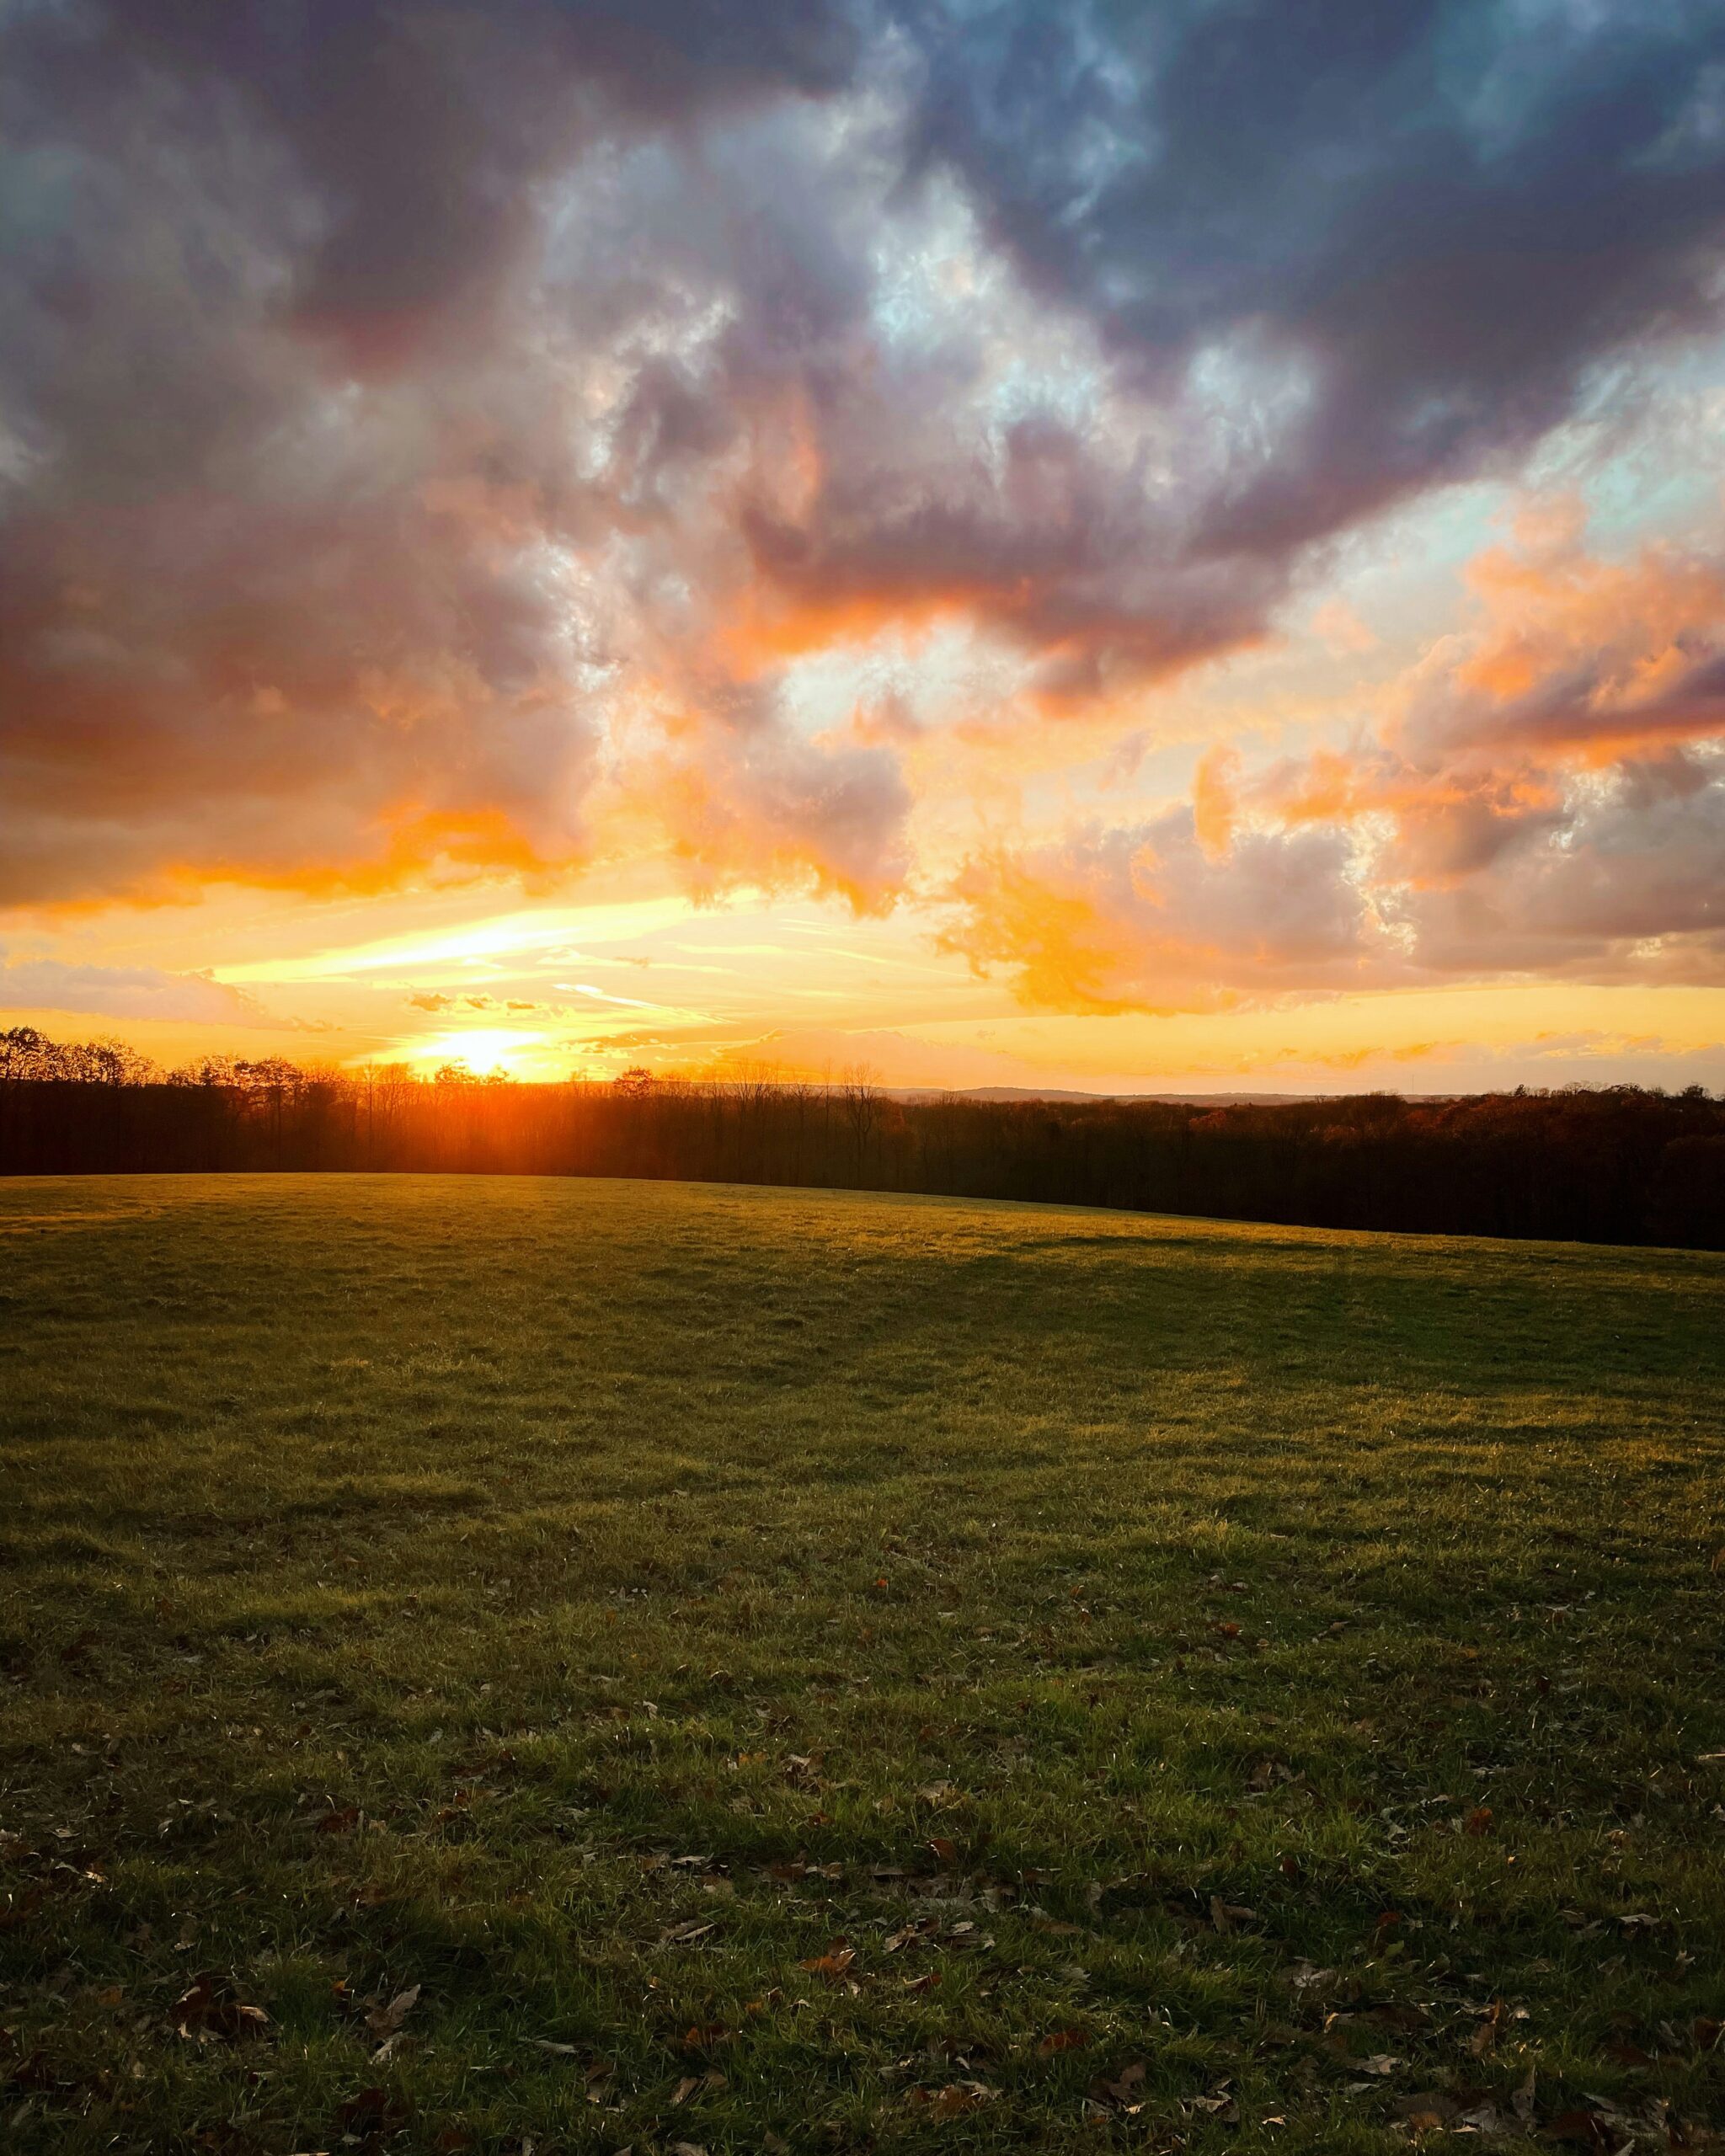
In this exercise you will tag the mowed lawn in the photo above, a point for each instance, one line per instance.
(601, 1665)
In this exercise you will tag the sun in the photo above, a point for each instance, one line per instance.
(485, 1050)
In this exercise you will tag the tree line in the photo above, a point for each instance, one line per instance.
(1620, 1164)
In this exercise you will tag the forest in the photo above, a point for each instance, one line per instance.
(1611, 1164)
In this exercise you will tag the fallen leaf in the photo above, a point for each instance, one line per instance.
(1587, 2129)
(944, 1850)
(369, 2114)
(1123, 2089)
(1485, 2037)
(1422, 2120)
(956, 2099)
(204, 2013)
(1225, 1915)
(386, 2020)
(833, 1963)
(685, 1934)
(1061, 2039)
(1478, 1821)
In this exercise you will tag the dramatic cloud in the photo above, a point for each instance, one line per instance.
(1549, 799)
(457, 436)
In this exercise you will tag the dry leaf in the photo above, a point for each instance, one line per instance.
(1123, 2089)
(386, 2020)
(956, 2098)
(1587, 2129)
(202, 2012)
(1061, 2039)
(1485, 2037)
(1478, 1821)
(834, 1963)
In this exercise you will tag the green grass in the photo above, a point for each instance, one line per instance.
(847, 1672)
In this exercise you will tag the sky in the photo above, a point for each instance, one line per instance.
(991, 542)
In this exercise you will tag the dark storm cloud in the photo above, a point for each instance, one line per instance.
(1444, 208)
(391, 391)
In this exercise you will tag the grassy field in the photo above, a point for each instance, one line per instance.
(579, 1665)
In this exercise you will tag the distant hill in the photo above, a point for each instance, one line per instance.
(1055, 1093)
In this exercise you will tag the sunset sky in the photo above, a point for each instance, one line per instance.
(1124, 547)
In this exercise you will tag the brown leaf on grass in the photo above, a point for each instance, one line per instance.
(386, 2020)
(1427, 2113)
(685, 1935)
(1123, 2089)
(833, 1963)
(1394, 2014)
(342, 1822)
(925, 1981)
(1491, 2026)
(1478, 1821)
(1225, 1915)
(1627, 2054)
(369, 2114)
(1228, 1630)
(944, 1851)
(1061, 2039)
(1706, 2032)
(205, 2014)
(1522, 2102)
(702, 2037)
(1584, 2130)
(938, 1793)
(954, 2100)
